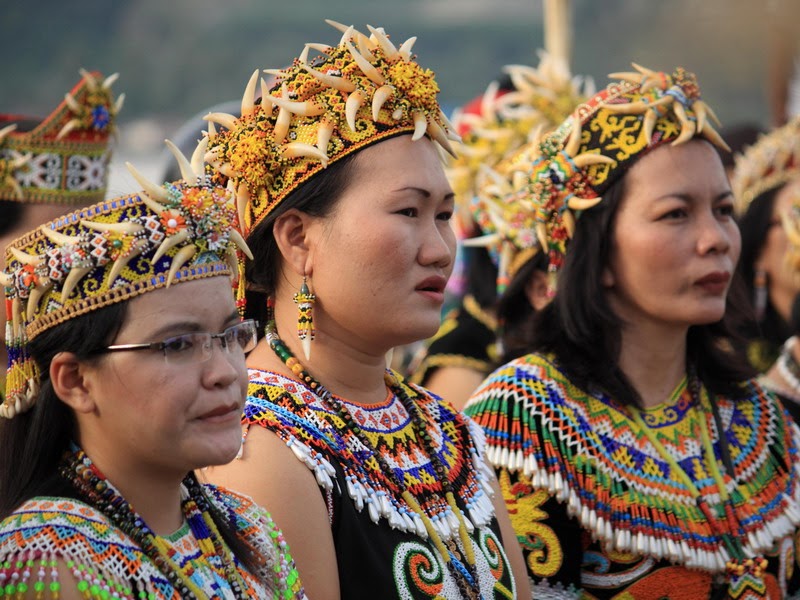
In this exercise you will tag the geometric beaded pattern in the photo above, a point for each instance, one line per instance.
(318, 436)
(67, 153)
(586, 451)
(103, 560)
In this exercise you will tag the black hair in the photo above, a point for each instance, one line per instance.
(33, 444)
(481, 276)
(580, 328)
(515, 312)
(754, 226)
(316, 197)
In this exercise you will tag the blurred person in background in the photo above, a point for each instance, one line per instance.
(51, 166)
(765, 181)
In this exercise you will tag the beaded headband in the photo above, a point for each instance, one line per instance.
(108, 253)
(769, 163)
(64, 159)
(533, 201)
(350, 96)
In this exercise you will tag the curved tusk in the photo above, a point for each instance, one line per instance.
(420, 125)
(339, 83)
(156, 192)
(644, 70)
(405, 50)
(303, 109)
(24, 257)
(249, 96)
(109, 81)
(541, 235)
(648, 124)
(381, 95)
(324, 133)
(91, 82)
(713, 136)
(588, 158)
(488, 101)
(629, 76)
(138, 247)
(438, 134)
(68, 128)
(687, 126)
(266, 99)
(281, 125)
(483, 241)
(226, 120)
(119, 103)
(569, 222)
(323, 48)
(300, 150)
(366, 67)
(353, 103)
(59, 238)
(576, 203)
(187, 173)
(127, 228)
(6, 130)
(72, 104)
(170, 242)
(198, 156)
(183, 256)
(699, 108)
(574, 142)
(73, 277)
(242, 200)
(710, 112)
(389, 49)
(240, 242)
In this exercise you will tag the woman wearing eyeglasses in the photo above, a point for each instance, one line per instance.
(126, 373)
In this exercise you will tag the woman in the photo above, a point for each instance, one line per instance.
(348, 209)
(117, 391)
(636, 456)
(53, 165)
(765, 180)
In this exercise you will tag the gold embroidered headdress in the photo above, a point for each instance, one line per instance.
(352, 95)
(110, 252)
(64, 159)
(769, 163)
(535, 198)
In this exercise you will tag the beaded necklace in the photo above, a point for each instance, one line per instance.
(727, 528)
(788, 367)
(90, 483)
(464, 574)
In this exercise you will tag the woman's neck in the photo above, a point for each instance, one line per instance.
(653, 358)
(336, 363)
(156, 497)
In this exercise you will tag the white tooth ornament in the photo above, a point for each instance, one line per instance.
(266, 101)
(339, 83)
(242, 199)
(405, 50)
(351, 106)
(324, 133)
(91, 82)
(125, 228)
(197, 163)
(648, 124)
(437, 133)
(366, 67)
(714, 137)
(364, 43)
(303, 58)
(24, 257)
(381, 95)
(73, 277)
(576, 203)
(541, 234)
(590, 158)
(74, 123)
(6, 130)
(138, 246)
(569, 222)
(169, 242)
(157, 193)
(187, 173)
(248, 98)
(389, 49)
(109, 81)
(35, 297)
(420, 125)
(237, 239)
(118, 103)
(487, 240)
(687, 126)
(397, 114)
(72, 104)
(183, 256)
(323, 48)
(228, 121)
(699, 108)
(300, 150)
(303, 109)
(212, 130)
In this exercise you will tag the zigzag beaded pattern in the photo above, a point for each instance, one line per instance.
(586, 451)
(69, 530)
(319, 438)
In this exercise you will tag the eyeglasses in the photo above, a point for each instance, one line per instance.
(197, 347)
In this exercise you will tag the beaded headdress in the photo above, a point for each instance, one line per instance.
(352, 95)
(65, 158)
(534, 199)
(769, 163)
(110, 252)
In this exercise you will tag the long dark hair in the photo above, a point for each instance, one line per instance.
(515, 312)
(581, 329)
(754, 226)
(32, 444)
(316, 197)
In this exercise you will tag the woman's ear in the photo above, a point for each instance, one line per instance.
(70, 382)
(293, 235)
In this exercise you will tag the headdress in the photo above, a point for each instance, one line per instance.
(769, 163)
(352, 95)
(110, 252)
(64, 159)
(534, 199)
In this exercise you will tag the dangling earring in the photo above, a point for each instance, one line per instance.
(760, 291)
(305, 317)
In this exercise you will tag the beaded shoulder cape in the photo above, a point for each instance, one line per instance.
(563, 451)
(101, 557)
(380, 541)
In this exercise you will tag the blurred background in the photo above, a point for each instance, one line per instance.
(178, 57)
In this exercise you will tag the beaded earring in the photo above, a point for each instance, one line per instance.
(305, 317)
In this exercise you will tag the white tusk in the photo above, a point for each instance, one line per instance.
(157, 193)
(187, 173)
(248, 98)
